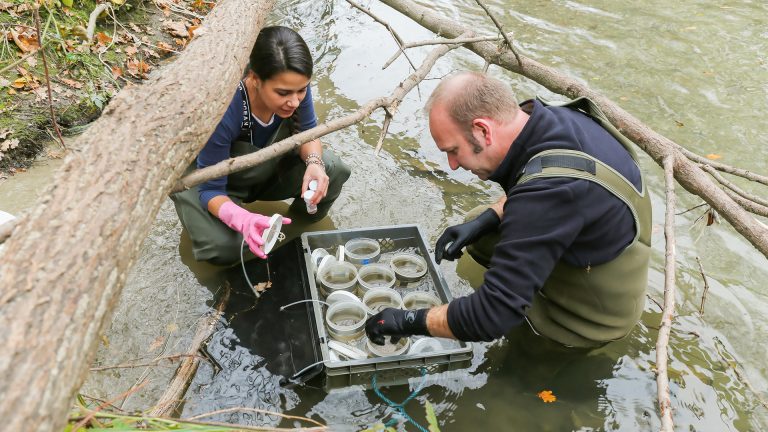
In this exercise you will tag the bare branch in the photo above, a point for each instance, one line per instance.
(501, 30)
(733, 187)
(736, 368)
(255, 410)
(662, 380)
(725, 168)
(438, 41)
(229, 166)
(384, 129)
(658, 147)
(47, 79)
(398, 39)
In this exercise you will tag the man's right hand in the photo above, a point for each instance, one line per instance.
(454, 238)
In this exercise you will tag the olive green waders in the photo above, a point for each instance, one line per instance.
(588, 307)
(273, 180)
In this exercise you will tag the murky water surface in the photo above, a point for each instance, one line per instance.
(695, 71)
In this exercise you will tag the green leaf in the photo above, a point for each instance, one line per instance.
(67, 3)
(431, 418)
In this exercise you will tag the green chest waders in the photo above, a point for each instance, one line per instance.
(587, 307)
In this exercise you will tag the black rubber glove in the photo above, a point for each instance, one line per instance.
(396, 323)
(454, 238)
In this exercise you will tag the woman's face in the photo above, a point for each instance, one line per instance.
(282, 93)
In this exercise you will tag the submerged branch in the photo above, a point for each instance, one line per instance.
(662, 380)
(706, 286)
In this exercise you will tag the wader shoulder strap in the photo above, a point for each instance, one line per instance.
(586, 106)
(576, 164)
(245, 121)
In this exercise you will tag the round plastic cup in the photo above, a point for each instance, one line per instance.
(420, 300)
(408, 267)
(336, 276)
(347, 350)
(425, 345)
(377, 299)
(342, 296)
(372, 276)
(388, 349)
(316, 256)
(362, 250)
(346, 320)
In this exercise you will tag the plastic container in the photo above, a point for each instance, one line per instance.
(335, 276)
(308, 195)
(372, 276)
(420, 300)
(341, 296)
(346, 320)
(347, 350)
(377, 299)
(362, 250)
(317, 256)
(408, 267)
(425, 345)
(388, 349)
(272, 234)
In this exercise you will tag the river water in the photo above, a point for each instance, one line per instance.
(695, 71)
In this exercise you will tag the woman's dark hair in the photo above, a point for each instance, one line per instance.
(279, 49)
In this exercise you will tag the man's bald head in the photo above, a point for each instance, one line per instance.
(470, 95)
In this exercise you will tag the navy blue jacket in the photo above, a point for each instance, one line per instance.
(546, 220)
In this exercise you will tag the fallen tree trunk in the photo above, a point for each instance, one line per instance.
(687, 173)
(64, 266)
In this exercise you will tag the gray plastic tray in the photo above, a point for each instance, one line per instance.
(393, 369)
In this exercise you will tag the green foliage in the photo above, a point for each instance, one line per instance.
(431, 417)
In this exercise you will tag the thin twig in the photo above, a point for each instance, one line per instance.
(501, 30)
(706, 287)
(746, 204)
(19, 61)
(92, 413)
(690, 209)
(735, 365)
(668, 312)
(154, 362)
(48, 79)
(392, 31)
(661, 308)
(438, 41)
(749, 175)
(255, 410)
(730, 185)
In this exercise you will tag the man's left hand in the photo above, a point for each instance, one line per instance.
(396, 323)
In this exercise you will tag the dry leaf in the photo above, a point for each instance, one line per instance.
(19, 83)
(9, 144)
(5, 5)
(156, 343)
(31, 61)
(4, 133)
(261, 286)
(117, 72)
(547, 396)
(713, 156)
(131, 51)
(71, 83)
(165, 47)
(4, 82)
(176, 28)
(103, 38)
(138, 68)
(25, 43)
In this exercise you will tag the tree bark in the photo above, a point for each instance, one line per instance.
(687, 173)
(63, 269)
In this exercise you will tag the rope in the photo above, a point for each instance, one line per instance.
(400, 407)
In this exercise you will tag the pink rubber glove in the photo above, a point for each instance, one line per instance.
(250, 225)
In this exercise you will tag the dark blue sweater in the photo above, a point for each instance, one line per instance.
(545, 221)
(230, 129)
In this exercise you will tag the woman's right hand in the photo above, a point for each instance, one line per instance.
(251, 225)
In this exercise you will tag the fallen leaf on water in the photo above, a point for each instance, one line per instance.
(679, 123)
(547, 396)
(156, 343)
(262, 286)
(714, 156)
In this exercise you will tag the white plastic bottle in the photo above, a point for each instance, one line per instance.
(310, 192)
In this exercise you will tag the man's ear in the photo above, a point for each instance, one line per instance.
(481, 129)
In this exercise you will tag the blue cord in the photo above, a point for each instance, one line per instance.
(400, 407)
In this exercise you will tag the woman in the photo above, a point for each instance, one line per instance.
(272, 102)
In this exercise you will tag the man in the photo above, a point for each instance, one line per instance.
(567, 248)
